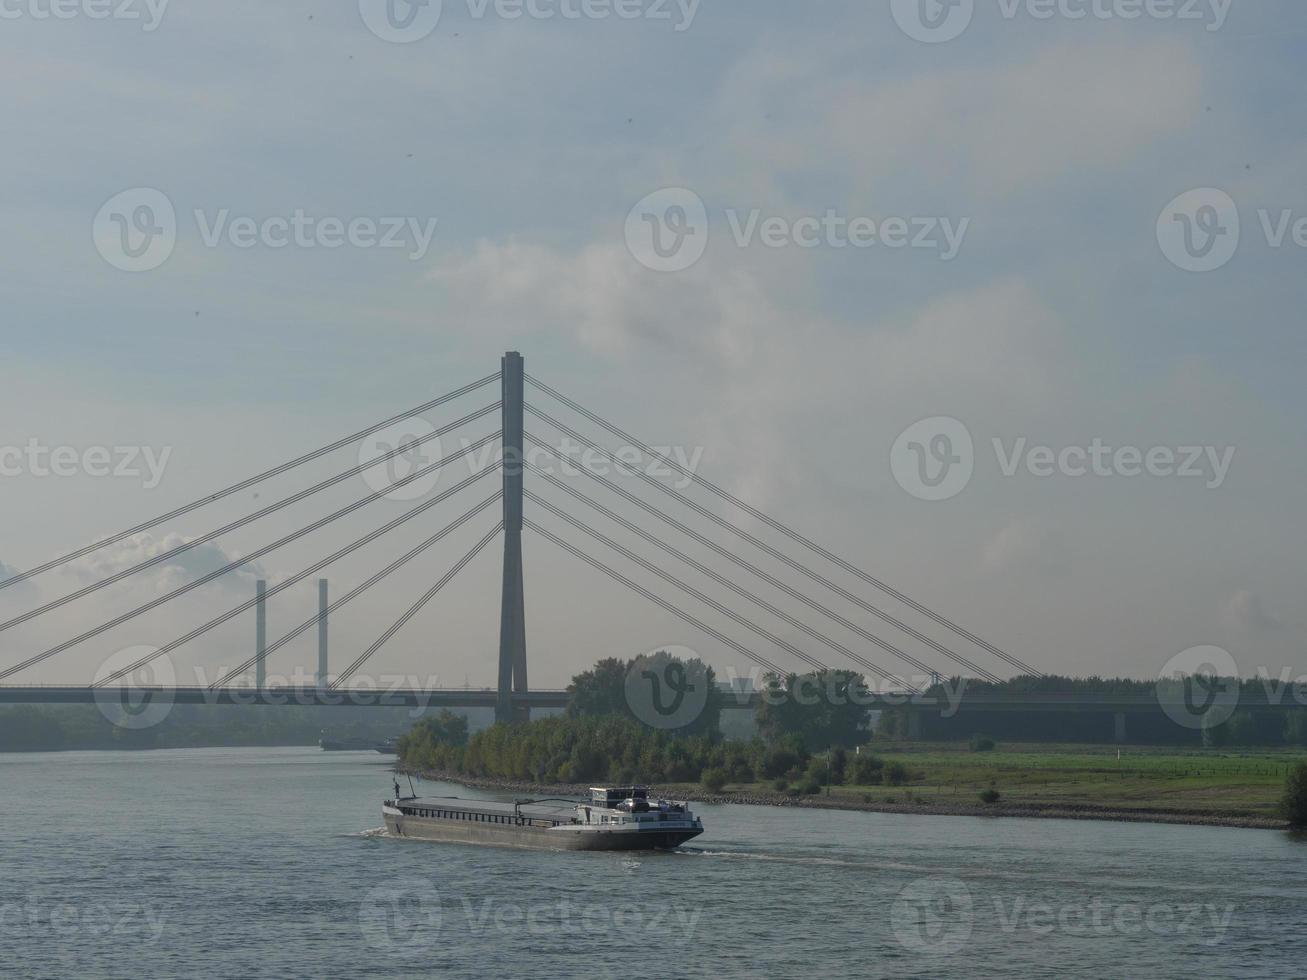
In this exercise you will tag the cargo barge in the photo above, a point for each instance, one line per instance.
(618, 818)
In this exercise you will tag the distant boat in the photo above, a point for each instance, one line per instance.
(619, 818)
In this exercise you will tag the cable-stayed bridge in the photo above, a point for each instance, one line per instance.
(893, 651)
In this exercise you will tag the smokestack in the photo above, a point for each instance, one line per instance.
(261, 635)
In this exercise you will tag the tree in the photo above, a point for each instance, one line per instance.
(447, 728)
(1295, 796)
(599, 691)
(714, 779)
(820, 707)
(602, 691)
(868, 770)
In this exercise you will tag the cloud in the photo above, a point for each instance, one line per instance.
(1016, 543)
(186, 567)
(994, 129)
(1244, 611)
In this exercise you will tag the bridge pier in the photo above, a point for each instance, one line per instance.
(512, 616)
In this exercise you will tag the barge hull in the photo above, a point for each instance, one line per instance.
(536, 838)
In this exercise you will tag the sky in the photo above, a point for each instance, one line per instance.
(1000, 301)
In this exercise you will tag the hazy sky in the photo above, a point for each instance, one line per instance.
(1058, 314)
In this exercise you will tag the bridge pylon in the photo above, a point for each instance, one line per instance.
(512, 619)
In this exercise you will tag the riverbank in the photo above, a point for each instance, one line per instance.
(1081, 782)
(839, 800)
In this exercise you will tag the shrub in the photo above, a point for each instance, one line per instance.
(781, 784)
(714, 779)
(812, 788)
(896, 774)
(839, 764)
(866, 770)
(1295, 796)
(990, 795)
(779, 761)
(982, 743)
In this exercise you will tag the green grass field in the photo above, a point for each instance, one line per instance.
(1216, 782)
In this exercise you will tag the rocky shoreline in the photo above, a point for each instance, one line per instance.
(761, 797)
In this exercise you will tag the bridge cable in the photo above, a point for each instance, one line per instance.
(788, 532)
(734, 587)
(342, 601)
(722, 580)
(756, 542)
(245, 484)
(415, 608)
(299, 577)
(701, 596)
(232, 566)
(742, 562)
(244, 521)
(641, 590)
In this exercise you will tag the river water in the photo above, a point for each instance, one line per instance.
(250, 863)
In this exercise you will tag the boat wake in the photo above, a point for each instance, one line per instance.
(374, 832)
(798, 859)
